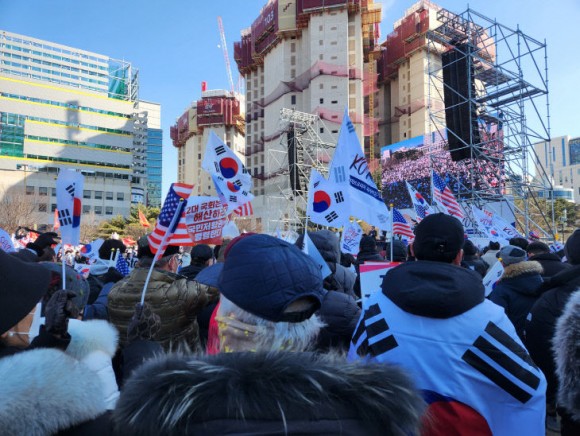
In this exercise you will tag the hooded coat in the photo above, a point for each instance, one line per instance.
(541, 322)
(566, 347)
(517, 291)
(274, 394)
(551, 264)
(432, 319)
(175, 299)
(44, 391)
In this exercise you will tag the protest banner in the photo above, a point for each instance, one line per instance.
(351, 236)
(6, 241)
(205, 218)
(372, 274)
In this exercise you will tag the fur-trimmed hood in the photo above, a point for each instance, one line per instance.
(566, 346)
(275, 394)
(44, 391)
(90, 336)
(522, 268)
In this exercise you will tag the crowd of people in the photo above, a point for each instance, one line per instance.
(249, 337)
(415, 166)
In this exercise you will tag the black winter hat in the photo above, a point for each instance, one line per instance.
(469, 248)
(399, 251)
(22, 286)
(438, 237)
(201, 253)
(263, 275)
(572, 248)
(74, 283)
(368, 243)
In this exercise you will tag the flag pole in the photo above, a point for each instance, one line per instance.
(63, 267)
(161, 248)
(392, 232)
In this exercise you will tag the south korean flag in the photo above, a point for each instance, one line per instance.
(69, 194)
(327, 203)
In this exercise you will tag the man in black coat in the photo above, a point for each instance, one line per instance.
(544, 314)
(551, 263)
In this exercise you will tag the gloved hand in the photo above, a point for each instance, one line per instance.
(144, 324)
(58, 310)
(43, 241)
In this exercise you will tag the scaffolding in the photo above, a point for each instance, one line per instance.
(507, 102)
(300, 150)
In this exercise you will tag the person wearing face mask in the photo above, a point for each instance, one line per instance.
(36, 377)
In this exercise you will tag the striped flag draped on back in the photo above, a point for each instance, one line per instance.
(171, 206)
(444, 197)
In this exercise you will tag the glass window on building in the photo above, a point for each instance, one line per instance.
(120, 196)
(86, 208)
(109, 195)
(87, 194)
(98, 210)
(98, 195)
(53, 192)
(109, 210)
(30, 190)
(52, 207)
(42, 207)
(43, 190)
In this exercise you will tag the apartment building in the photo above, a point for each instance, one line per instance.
(314, 56)
(219, 111)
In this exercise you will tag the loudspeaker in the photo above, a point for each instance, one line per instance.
(292, 157)
(460, 111)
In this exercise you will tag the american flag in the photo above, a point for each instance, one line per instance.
(171, 206)
(401, 226)
(122, 266)
(245, 209)
(443, 195)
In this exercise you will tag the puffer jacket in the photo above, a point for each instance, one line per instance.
(517, 291)
(551, 263)
(267, 394)
(175, 299)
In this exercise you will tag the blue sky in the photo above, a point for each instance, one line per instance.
(176, 44)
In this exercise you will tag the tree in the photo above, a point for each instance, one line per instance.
(129, 226)
(114, 225)
(17, 209)
(89, 228)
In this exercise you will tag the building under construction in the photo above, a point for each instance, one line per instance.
(218, 110)
(314, 57)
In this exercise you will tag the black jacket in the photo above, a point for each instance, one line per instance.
(340, 313)
(475, 263)
(273, 394)
(551, 264)
(517, 291)
(542, 319)
(191, 271)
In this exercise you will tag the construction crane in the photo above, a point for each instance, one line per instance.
(225, 51)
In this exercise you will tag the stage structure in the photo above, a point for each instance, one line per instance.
(494, 82)
(300, 150)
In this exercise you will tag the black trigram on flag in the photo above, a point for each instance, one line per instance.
(217, 167)
(349, 126)
(503, 368)
(238, 183)
(373, 331)
(338, 197)
(64, 217)
(331, 216)
(71, 189)
(233, 199)
(339, 174)
(245, 193)
(316, 184)
(220, 150)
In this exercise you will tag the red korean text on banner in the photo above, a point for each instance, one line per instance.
(205, 218)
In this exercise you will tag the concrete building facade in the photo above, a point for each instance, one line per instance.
(315, 57)
(561, 159)
(63, 107)
(219, 111)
